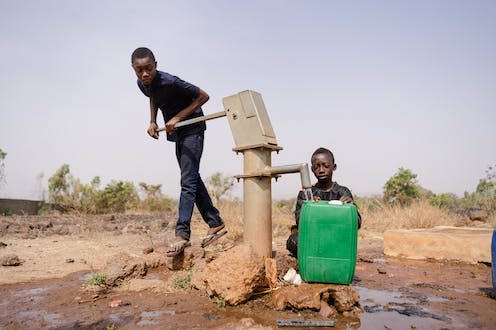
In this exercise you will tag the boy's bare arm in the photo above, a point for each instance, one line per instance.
(201, 99)
(152, 129)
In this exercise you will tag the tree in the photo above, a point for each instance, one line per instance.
(3, 154)
(219, 185)
(401, 188)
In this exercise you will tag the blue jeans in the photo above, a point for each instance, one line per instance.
(189, 149)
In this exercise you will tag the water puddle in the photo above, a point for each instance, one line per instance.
(154, 317)
(398, 310)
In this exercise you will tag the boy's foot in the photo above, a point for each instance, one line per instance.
(177, 247)
(213, 234)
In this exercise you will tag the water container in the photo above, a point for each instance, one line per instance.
(493, 260)
(327, 242)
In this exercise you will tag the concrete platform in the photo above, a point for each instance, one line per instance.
(442, 243)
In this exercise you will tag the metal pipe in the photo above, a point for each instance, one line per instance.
(306, 184)
(257, 202)
(294, 168)
(196, 120)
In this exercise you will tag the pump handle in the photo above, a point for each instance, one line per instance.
(196, 120)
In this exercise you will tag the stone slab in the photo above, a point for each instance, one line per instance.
(442, 243)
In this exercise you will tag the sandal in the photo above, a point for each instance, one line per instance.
(177, 247)
(213, 235)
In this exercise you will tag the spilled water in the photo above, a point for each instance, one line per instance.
(397, 310)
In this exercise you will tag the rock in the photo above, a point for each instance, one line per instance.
(122, 267)
(10, 260)
(381, 270)
(285, 261)
(345, 298)
(478, 215)
(309, 296)
(69, 260)
(441, 243)
(197, 281)
(234, 275)
(244, 324)
(190, 256)
(326, 310)
(2, 244)
(147, 250)
(116, 303)
(271, 272)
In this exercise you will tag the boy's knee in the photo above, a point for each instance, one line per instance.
(292, 245)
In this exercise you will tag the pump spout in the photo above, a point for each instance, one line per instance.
(304, 175)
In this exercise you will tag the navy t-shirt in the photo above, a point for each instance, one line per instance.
(171, 95)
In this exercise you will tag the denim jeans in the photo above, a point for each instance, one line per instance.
(189, 150)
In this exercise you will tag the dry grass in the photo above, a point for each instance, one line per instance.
(377, 219)
(419, 214)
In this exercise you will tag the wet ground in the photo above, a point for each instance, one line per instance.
(394, 293)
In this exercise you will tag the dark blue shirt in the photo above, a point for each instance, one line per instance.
(171, 95)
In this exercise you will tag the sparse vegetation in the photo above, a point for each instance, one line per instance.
(183, 282)
(404, 204)
(70, 194)
(219, 185)
(221, 303)
(97, 279)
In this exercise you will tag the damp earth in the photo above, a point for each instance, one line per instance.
(59, 256)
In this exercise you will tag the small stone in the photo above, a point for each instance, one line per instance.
(326, 310)
(10, 260)
(365, 259)
(2, 244)
(69, 260)
(148, 250)
(381, 271)
(478, 215)
(116, 303)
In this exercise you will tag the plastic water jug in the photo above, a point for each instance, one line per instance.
(327, 242)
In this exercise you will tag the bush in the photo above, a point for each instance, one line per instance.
(447, 201)
(401, 188)
(118, 196)
(219, 185)
(70, 194)
(154, 200)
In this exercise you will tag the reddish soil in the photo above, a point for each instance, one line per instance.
(60, 254)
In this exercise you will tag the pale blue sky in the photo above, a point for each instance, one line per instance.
(384, 84)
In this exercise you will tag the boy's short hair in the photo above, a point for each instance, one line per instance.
(322, 150)
(142, 52)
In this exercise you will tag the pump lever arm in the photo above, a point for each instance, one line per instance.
(196, 120)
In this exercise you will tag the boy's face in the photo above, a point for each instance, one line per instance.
(323, 166)
(145, 69)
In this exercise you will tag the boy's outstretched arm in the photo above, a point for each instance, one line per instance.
(200, 100)
(152, 129)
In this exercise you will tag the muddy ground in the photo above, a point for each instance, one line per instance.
(59, 254)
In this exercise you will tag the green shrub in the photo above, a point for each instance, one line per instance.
(97, 279)
(447, 201)
(118, 196)
(401, 188)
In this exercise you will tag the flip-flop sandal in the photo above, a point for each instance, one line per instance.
(209, 239)
(178, 248)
